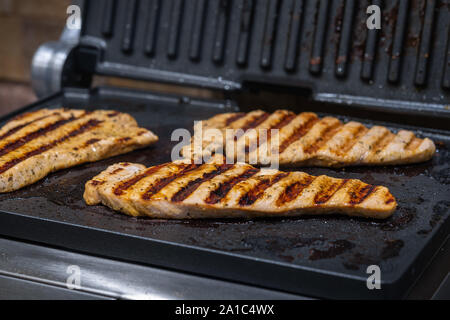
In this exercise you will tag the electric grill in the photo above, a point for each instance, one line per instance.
(302, 55)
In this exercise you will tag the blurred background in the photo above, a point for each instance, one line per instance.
(24, 26)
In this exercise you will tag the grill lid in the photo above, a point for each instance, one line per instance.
(322, 45)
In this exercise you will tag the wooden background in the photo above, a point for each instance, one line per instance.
(26, 24)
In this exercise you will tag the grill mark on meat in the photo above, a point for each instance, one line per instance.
(325, 194)
(323, 138)
(282, 121)
(285, 121)
(113, 114)
(125, 185)
(96, 182)
(255, 121)
(21, 126)
(186, 191)
(81, 129)
(222, 190)
(13, 145)
(252, 123)
(254, 194)
(123, 139)
(413, 144)
(389, 199)
(293, 191)
(29, 114)
(350, 143)
(115, 171)
(234, 118)
(358, 195)
(159, 185)
(299, 132)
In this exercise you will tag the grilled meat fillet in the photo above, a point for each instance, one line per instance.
(183, 190)
(307, 140)
(36, 143)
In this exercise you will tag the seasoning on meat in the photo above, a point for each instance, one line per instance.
(43, 141)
